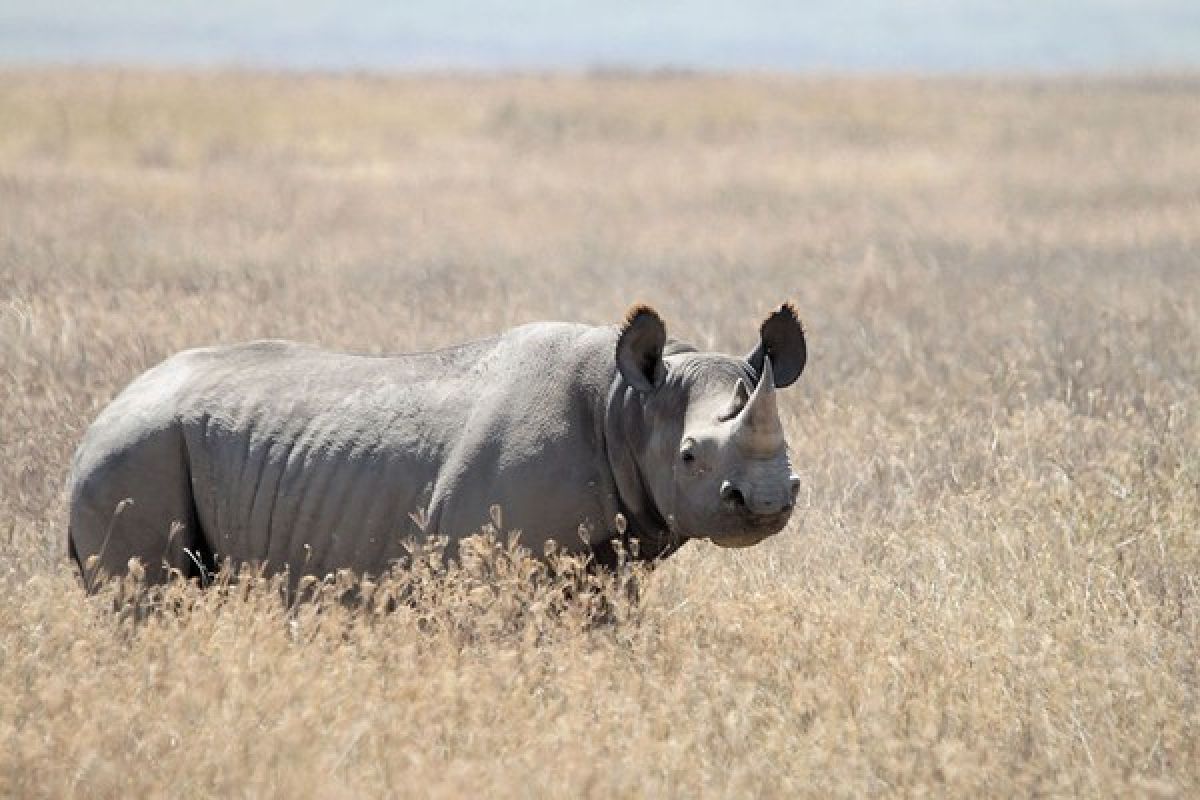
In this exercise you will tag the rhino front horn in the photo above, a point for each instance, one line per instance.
(759, 430)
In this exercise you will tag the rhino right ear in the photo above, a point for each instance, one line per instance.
(640, 348)
(782, 338)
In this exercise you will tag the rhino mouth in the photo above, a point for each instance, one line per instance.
(738, 541)
(752, 531)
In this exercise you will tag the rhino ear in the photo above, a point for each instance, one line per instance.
(782, 338)
(640, 348)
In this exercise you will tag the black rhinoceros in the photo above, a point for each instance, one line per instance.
(284, 455)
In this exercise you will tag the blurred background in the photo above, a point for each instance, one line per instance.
(863, 36)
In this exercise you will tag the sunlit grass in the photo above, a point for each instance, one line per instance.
(991, 589)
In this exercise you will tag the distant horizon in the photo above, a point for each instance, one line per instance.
(869, 37)
(1185, 74)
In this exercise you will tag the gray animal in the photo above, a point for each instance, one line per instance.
(290, 457)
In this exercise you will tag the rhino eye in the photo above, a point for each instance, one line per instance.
(688, 451)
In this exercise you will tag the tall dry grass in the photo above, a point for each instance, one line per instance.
(992, 589)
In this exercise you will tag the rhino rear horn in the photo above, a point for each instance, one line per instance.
(782, 338)
(741, 396)
(640, 348)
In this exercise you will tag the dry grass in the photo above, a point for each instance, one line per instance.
(993, 590)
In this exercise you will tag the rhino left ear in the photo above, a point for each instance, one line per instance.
(640, 348)
(782, 338)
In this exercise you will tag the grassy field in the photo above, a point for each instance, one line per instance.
(993, 586)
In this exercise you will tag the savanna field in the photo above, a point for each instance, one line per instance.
(991, 586)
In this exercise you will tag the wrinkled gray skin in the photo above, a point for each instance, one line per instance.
(282, 454)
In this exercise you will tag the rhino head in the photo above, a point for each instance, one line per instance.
(705, 449)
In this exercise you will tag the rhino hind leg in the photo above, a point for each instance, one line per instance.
(135, 501)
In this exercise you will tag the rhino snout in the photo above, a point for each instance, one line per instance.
(761, 503)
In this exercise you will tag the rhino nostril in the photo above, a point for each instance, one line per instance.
(732, 494)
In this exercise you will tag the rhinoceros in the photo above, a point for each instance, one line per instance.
(294, 458)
